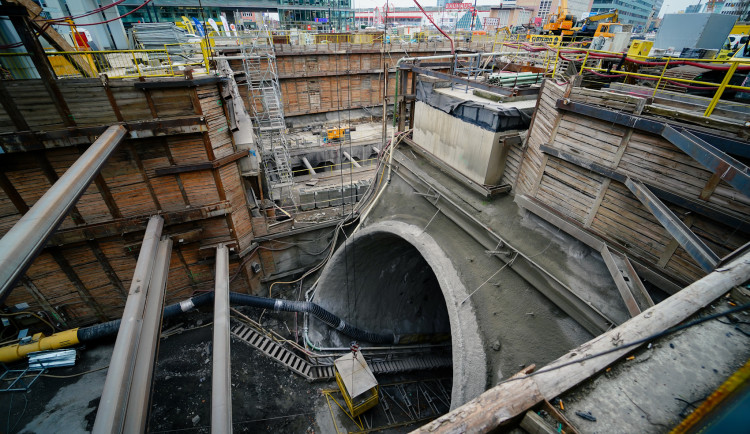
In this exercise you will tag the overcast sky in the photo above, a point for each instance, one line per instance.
(670, 6)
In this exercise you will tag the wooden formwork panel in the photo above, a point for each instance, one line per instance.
(89, 282)
(607, 207)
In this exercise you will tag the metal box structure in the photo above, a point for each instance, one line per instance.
(707, 31)
(357, 383)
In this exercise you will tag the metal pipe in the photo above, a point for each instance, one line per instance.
(27, 237)
(221, 378)
(109, 417)
(140, 388)
(377, 151)
(308, 165)
(349, 157)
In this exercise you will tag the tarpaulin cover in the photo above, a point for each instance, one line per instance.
(488, 115)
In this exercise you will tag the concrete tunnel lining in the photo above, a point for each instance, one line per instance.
(469, 359)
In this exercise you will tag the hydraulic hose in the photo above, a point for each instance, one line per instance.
(110, 328)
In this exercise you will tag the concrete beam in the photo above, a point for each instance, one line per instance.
(221, 378)
(112, 407)
(307, 164)
(349, 157)
(22, 243)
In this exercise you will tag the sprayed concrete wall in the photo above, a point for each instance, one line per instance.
(476, 152)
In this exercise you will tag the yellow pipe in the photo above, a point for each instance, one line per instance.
(12, 353)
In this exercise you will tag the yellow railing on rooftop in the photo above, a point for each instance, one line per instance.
(171, 61)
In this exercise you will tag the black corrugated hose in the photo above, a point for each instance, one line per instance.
(98, 331)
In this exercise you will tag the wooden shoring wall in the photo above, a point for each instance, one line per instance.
(84, 272)
(606, 207)
(324, 81)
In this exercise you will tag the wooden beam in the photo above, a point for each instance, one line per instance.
(83, 292)
(122, 226)
(11, 108)
(532, 423)
(41, 299)
(710, 187)
(137, 159)
(50, 35)
(107, 267)
(177, 177)
(43, 67)
(572, 228)
(101, 185)
(112, 100)
(510, 399)
(65, 137)
(12, 193)
(208, 165)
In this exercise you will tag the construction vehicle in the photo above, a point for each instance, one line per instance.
(559, 23)
(335, 135)
(589, 27)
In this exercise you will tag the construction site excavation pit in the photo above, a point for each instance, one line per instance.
(387, 280)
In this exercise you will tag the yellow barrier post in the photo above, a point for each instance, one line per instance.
(583, 65)
(204, 50)
(721, 88)
(658, 82)
(557, 60)
(135, 61)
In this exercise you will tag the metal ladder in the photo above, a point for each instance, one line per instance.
(264, 91)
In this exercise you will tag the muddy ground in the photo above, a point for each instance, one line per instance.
(266, 397)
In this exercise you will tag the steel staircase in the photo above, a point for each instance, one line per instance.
(379, 365)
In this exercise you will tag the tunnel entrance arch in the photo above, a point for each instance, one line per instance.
(393, 277)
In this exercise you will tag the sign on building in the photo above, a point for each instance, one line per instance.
(459, 6)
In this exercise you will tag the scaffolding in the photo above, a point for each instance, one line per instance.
(264, 92)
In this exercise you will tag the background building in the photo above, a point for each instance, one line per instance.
(320, 15)
(635, 12)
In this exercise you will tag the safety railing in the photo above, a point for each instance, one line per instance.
(167, 62)
(604, 66)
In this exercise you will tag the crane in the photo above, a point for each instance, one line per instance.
(559, 23)
(588, 26)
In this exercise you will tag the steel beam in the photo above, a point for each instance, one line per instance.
(475, 84)
(709, 155)
(221, 378)
(730, 170)
(136, 415)
(695, 247)
(111, 413)
(697, 206)
(27, 237)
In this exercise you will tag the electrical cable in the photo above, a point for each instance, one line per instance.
(637, 342)
(32, 314)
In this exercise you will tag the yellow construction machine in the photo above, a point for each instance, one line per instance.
(560, 22)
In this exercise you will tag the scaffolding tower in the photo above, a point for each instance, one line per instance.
(264, 93)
